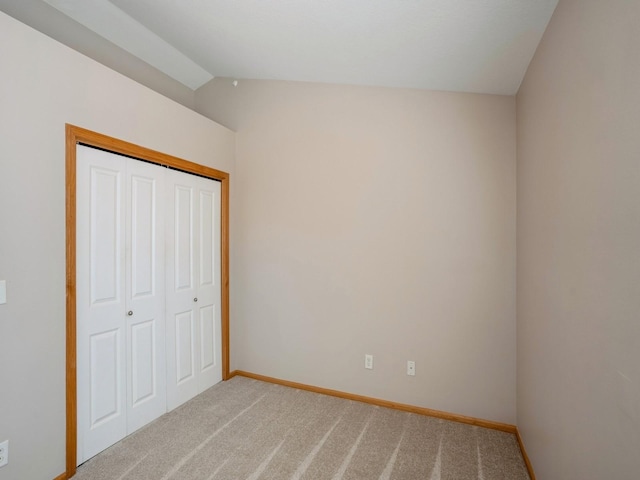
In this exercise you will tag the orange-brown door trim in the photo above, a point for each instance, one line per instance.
(75, 135)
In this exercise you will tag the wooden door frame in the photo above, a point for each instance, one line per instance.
(77, 135)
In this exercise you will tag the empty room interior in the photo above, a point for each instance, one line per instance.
(427, 210)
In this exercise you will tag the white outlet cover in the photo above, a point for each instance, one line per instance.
(368, 362)
(3, 291)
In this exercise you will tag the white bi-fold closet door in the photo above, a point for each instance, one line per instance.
(193, 286)
(148, 293)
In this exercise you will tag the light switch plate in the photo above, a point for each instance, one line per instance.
(3, 291)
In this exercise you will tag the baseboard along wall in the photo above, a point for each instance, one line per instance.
(527, 462)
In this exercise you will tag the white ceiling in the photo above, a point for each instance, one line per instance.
(481, 46)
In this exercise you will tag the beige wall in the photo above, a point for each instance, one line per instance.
(381, 221)
(578, 244)
(43, 85)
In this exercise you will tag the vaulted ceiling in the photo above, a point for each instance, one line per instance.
(481, 46)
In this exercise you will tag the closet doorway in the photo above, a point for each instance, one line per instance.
(144, 244)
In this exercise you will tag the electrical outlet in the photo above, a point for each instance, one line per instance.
(368, 362)
(4, 453)
(411, 368)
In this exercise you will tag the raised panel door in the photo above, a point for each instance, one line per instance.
(208, 288)
(193, 287)
(183, 347)
(101, 332)
(145, 299)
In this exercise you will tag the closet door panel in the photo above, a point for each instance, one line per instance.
(105, 391)
(183, 348)
(184, 236)
(145, 296)
(144, 364)
(105, 232)
(207, 338)
(193, 286)
(185, 343)
(143, 240)
(210, 371)
(100, 301)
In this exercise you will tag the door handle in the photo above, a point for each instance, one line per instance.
(130, 312)
(195, 299)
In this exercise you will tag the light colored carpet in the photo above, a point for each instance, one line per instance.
(247, 429)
